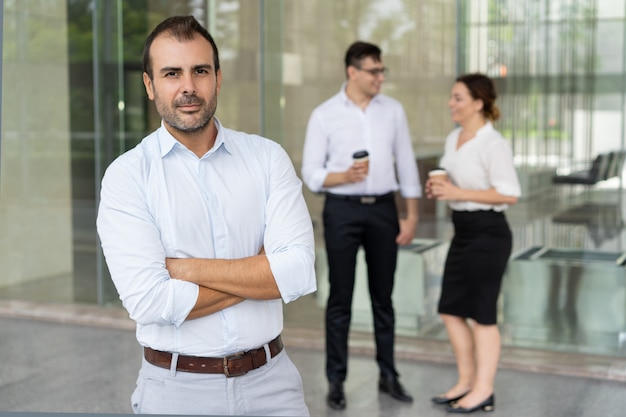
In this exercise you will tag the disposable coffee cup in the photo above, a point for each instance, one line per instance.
(438, 173)
(360, 156)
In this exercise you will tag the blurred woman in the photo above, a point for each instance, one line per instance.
(481, 184)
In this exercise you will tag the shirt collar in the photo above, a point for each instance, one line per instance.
(346, 100)
(222, 139)
(167, 141)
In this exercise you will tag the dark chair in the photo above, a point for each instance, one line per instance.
(617, 164)
(597, 172)
(610, 166)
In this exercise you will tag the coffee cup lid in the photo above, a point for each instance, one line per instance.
(437, 171)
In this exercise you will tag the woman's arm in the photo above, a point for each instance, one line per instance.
(446, 190)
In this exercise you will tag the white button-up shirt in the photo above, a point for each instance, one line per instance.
(337, 128)
(484, 162)
(160, 200)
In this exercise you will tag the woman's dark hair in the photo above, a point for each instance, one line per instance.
(481, 88)
(182, 28)
(359, 51)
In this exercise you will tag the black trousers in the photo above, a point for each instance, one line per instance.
(347, 226)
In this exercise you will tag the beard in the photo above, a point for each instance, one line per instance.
(187, 123)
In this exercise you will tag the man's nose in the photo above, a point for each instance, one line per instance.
(188, 86)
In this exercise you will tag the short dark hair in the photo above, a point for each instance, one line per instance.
(360, 50)
(182, 28)
(482, 88)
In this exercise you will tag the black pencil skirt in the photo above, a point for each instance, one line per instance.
(476, 261)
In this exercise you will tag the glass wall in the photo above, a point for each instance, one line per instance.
(559, 66)
(73, 99)
(560, 70)
(35, 176)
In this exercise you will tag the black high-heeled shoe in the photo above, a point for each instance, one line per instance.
(442, 399)
(488, 405)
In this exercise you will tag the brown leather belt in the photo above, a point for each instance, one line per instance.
(232, 365)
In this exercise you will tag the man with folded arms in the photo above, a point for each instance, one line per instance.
(206, 233)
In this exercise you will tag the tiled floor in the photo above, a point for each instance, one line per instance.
(62, 358)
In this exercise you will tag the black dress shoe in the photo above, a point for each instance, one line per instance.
(488, 405)
(336, 398)
(442, 399)
(392, 386)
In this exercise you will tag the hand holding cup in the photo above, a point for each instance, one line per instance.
(436, 177)
(361, 161)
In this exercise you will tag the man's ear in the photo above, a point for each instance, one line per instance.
(147, 82)
(218, 82)
(350, 71)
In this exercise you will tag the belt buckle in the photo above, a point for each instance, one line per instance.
(368, 200)
(228, 358)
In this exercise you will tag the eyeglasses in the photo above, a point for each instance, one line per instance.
(375, 71)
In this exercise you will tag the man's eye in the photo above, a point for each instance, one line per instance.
(171, 74)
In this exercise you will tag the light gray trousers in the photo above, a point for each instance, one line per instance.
(275, 389)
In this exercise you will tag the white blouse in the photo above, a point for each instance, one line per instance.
(484, 162)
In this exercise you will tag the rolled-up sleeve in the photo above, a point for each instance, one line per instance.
(314, 154)
(410, 186)
(288, 239)
(134, 253)
(501, 169)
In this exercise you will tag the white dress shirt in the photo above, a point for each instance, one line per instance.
(484, 162)
(160, 200)
(337, 128)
